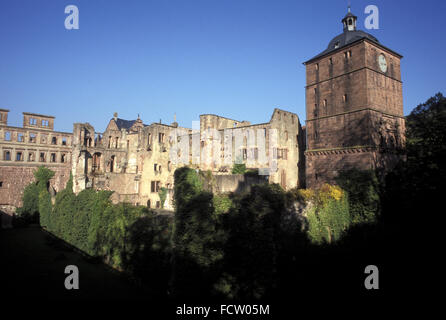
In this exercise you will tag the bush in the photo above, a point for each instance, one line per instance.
(195, 237)
(362, 188)
(239, 168)
(29, 212)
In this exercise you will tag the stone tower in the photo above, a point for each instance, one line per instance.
(354, 106)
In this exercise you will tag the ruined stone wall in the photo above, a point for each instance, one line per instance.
(15, 178)
(234, 183)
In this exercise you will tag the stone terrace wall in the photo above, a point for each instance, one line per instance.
(16, 178)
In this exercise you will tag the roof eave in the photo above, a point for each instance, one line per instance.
(349, 45)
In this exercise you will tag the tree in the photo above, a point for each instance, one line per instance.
(196, 238)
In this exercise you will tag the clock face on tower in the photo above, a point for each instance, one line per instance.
(382, 62)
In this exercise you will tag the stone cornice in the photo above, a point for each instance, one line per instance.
(358, 110)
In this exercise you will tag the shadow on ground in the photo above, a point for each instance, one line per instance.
(33, 264)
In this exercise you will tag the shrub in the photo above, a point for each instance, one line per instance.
(362, 188)
(328, 216)
(239, 168)
(163, 195)
(221, 203)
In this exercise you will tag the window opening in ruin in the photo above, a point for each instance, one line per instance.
(53, 140)
(7, 156)
(112, 163)
(42, 157)
(32, 138)
(19, 156)
(53, 157)
(96, 162)
(64, 141)
(44, 123)
(161, 137)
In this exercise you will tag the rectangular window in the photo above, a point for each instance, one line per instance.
(7, 136)
(7, 155)
(161, 137)
(20, 137)
(19, 156)
(45, 123)
(42, 157)
(154, 186)
(32, 121)
(63, 158)
(53, 157)
(64, 141)
(32, 138)
(31, 156)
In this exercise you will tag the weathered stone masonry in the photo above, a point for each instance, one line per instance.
(23, 150)
(354, 106)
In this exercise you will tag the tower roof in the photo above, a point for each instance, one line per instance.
(349, 35)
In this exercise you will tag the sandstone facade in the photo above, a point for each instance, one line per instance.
(136, 160)
(23, 150)
(354, 106)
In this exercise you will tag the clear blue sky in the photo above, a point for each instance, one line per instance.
(235, 58)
